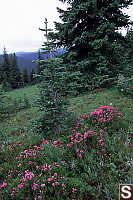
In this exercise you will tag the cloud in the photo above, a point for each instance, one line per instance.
(20, 22)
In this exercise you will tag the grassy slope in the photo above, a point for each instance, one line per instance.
(30, 92)
(19, 123)
(111, 97)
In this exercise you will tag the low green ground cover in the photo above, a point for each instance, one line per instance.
(94, 155)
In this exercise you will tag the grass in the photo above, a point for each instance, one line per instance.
(110, 97)
(30, 92)
(19, 122)
(16, 129)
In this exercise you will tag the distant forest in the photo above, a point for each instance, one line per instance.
(17, 69)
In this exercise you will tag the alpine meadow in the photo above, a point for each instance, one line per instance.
(66, 110)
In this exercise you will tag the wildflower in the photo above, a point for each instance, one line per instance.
(44, 141)
(63, 185)
(55, 184)
(37, 167)
(85, 135)
(4, 184)
(39, 197)
(14, 191)
(101, 133)
(29, 175)
(19, 165)
(62, 162)
(100, 141)
(55, 174)
(69, 145)
(74, 190)
(34, 153)
(43, 185)
(49, 168)
(19, 174)
(34, 186)
(105, 128)
(75, 141)
(80, 156)
(73, 165)
(31, 163)
(55, 142)
(20, 186)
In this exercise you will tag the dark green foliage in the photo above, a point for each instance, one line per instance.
(39, 64)
(10, 75)
(6, 70)
(125, 85)
(25, 77)
(32, 80)
(89, 32)
(15, 72)
(26, 102)
(128, 71)
(53, 89)
(2, 100)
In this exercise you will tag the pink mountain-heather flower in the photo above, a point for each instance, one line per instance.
(35, 186)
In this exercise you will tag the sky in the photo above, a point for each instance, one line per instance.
(20, 21)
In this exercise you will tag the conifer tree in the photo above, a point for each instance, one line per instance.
(39, 64)
(25, 77)
(53, 103)
(15, 72)
(89, 31)
(32, 73)
(6, 71)
(129, 53)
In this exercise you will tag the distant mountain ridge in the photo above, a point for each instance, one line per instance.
(25, 59)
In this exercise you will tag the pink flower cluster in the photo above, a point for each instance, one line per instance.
(28, 175)
(105, 114)
(27, 154)
(58, 143)
(46, 167)
(76, 138)
(14, 191)
(79, 137)
(3, 185)
(22, 184)
(100, 115)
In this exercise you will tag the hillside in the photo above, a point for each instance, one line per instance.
(20, 119)
(103, 152)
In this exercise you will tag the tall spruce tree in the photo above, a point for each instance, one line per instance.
(6, 71)
(25, 77)
(53, 102)
(15, 72)
(129, 53)
(89, 31)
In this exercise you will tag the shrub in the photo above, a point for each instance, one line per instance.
(125, 85)
(88, 162)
